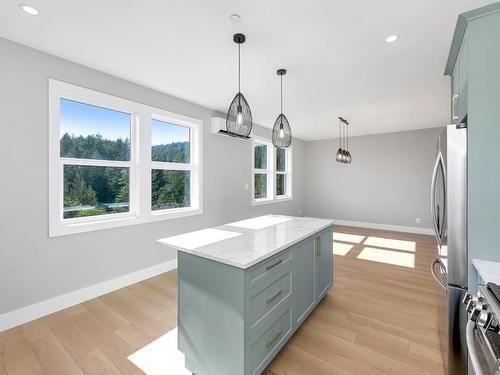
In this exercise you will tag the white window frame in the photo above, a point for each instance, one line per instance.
(287, 173)
(192, 166)
(140, 163)
(271, 173)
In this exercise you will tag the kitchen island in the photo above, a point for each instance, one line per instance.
(245, 287)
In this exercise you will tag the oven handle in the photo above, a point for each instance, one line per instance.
(471, 345)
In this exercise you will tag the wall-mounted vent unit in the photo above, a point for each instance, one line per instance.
(218, 126)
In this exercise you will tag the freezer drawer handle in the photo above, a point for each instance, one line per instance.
(437, 262)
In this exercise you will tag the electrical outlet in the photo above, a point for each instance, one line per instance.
(246, 187)
(300, 212)
(417, 220)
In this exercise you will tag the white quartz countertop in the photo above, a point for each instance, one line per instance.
(488, 271)
(245, 243)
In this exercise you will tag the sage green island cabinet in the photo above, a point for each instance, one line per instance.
(245, 288)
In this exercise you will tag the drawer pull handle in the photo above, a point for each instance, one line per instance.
(278, 333)
(318, 246)
(454, 103)
(273, 297)
(271, 266)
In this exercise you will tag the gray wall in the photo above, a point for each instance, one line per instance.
(388, 181)
(34, 267)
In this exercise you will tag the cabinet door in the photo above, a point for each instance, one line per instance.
(303, 281)
(455, 92)
(323, 267)
(463, 89)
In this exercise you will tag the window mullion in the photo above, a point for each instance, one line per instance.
(171, 166)
(143, 164)
(96, 163)
(271, 178)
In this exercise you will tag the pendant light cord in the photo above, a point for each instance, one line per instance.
(340, 139)
(239, 68)
(347, 146)
(281, 94)
(342, 135)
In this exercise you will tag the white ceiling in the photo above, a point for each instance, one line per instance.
(338, 63)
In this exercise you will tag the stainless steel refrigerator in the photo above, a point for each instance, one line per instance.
(449, 215)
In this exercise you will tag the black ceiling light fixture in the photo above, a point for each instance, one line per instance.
(343, 155)
(239, 115)
(282, 133)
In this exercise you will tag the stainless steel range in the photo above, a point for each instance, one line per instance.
(482, 332)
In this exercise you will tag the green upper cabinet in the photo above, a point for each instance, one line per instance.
(474, 67)
(463, 59)
(459, 82)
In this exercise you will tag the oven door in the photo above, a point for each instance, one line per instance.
(482, 356)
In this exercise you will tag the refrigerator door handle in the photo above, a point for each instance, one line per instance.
(438, 226)
(433, 198)
(437, 262)
(445, 199)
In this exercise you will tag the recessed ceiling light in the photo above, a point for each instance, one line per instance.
(391, 38)
(29, 9)
(235, 18)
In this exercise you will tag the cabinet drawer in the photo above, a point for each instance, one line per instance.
(267, 345)
(269, 267)
(267, 299)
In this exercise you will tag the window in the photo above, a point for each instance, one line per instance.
(271, 172)
(172, 166)
(114, 162)
(95, 152)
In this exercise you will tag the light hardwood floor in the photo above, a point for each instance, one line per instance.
(379, 318)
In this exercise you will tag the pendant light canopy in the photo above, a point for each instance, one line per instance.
(343, 155)
(239, 115)
(282, 133)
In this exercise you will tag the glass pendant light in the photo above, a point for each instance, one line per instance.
(239, 115)
(282, 133)
(343, 155)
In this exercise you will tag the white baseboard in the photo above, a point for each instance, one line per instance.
(28, 313)
(395, 228)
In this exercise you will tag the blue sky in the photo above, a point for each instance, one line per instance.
(84, 119)
(164, 132)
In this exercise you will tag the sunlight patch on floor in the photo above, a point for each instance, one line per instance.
(390, 243)
(341, 248)
(346, 237)
(395, 258)
(160, 357)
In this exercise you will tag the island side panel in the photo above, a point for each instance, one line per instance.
(211, 315)
(324, 264)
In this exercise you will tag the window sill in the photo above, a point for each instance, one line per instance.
(63, 229)
(258, 202)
